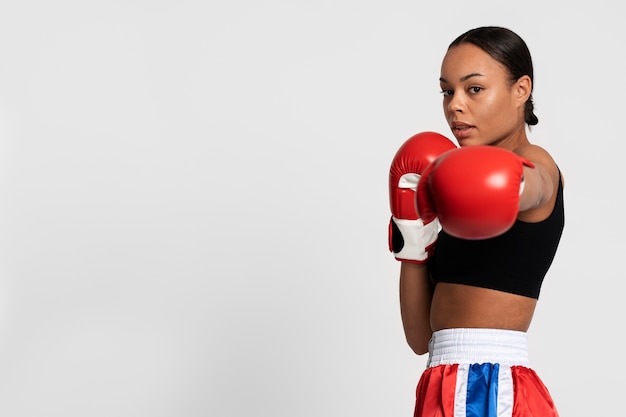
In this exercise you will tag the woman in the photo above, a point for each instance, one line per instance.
(468, 293)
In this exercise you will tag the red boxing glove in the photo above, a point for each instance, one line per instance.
(410, 239)
(474, 191)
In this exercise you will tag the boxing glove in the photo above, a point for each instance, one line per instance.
(411, 239)
(473, 191)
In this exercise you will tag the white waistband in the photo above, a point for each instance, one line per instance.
(468, 346)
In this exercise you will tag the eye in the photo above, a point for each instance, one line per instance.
(446, 92)
(475, 89)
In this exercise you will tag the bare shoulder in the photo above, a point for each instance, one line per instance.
(542, 183)
(542, 160)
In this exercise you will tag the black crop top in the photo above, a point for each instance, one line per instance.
(514, 262)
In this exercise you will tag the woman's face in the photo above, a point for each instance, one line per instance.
(481, 104)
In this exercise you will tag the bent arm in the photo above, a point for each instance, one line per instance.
(416, 292)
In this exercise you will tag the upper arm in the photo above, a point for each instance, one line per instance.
(540, 184)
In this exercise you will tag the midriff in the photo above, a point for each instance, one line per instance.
(461, 306)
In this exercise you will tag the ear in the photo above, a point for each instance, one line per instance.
(522, 88)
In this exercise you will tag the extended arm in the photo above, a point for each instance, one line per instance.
(539, 182)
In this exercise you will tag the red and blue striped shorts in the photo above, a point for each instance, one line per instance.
(481, 373)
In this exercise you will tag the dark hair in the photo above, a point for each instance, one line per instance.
(510, 50)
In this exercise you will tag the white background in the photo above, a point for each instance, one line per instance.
(194, 207)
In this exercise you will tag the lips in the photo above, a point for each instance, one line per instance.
(461, 130)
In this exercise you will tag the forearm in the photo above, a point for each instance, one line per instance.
(415, 298)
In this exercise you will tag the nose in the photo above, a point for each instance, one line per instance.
(456, 103)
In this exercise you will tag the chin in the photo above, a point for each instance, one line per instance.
(467, 142)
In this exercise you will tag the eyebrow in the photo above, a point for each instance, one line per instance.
(465, 77)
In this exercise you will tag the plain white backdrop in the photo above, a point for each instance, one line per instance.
(194, 207)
